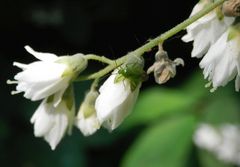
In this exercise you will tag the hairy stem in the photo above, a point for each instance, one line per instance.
(148, 46)
(160, 39)
(99, 58)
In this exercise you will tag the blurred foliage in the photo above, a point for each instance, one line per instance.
(165, 144)
(171, 117)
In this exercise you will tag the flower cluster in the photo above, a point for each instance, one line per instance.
(217, 37)
(222, 141)
(50, 79)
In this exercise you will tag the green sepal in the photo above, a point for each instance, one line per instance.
(75, 64)
(50, 99)
(219, 13)
(88, 105)
(68, 97)
(234, 31)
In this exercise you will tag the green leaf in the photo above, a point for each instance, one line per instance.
(221, 109)
(157, 102)
(195, 86)
(166, 144)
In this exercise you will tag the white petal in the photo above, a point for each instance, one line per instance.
(88, 125)
(37, 93)
(41, 71)
(41, 79)
(221, 62)
(51, 122)
(206, 30)
(197, 25)
(207, 137)
(201, 44)
(215, 51)
(121, 111)
(60, 124)
(187, 38)
(20, 65)
(58, 95)
(114, 102)
(228, 20)
(42, 119)
(41, 56)
(111, 95)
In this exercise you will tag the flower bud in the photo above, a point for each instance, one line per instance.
(87, 120)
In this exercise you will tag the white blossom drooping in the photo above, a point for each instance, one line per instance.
(205, 31)
(223, 141)
(115, 102)
(119, 92)
(51, 122)
(50, 79)
(49, 75)
(221, 64)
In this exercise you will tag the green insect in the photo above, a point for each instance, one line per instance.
(133, 72)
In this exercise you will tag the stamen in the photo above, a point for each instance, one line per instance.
(15, 92)
(11, 82)
(213, 90)
(208, 84)
(20, 65)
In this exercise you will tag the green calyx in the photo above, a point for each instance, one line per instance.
(75, 64)
(219, 13)
(234, 31)
(132, 71)
(68, 97)
(88, 105)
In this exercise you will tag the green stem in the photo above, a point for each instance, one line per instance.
(99, 58)
(152, 43)
(104, 71)
(94, 84)
(177, 28)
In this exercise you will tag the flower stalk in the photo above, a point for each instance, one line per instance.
(148, 46)
(99, 58)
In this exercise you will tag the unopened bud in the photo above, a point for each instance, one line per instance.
(87, 120)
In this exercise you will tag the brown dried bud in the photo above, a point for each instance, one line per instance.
(164, 68)
(231, 8)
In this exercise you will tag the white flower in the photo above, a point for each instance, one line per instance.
(222, 62)
(52, 122)
(206, 31)
(207, 137)
(222, 141)
(48, 76)
(87, 120)
(229, 148)
(115, 102)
